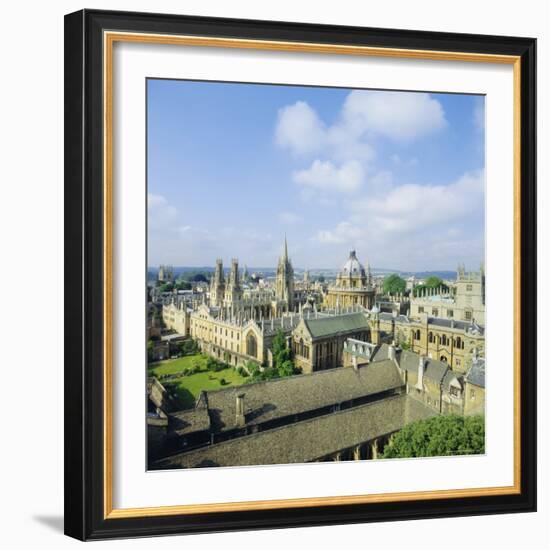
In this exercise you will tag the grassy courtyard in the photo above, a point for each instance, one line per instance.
(188, 387)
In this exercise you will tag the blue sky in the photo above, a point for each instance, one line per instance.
(399, 176)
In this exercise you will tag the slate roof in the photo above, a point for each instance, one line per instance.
(449, 377)
(460, 325)
(189, 421)
(476, 374)
(434, 370)
(325, 326)
(307, 392)
(308, 440)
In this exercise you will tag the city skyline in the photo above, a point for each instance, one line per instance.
(232, 168)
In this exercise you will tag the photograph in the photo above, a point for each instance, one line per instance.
(315, 274)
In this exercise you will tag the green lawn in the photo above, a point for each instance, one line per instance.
(188, 388)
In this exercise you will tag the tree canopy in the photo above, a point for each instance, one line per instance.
(430, 283)
(282, 361)
(441, 435)
(394, 284)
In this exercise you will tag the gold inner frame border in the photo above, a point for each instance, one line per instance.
(109, 39)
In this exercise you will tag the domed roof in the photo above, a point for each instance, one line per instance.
(353, 267)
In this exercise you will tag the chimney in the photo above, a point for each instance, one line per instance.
(391, 351)
(354, 362)
(420, 377)
(239, 410)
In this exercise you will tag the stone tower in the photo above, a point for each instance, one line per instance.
(233, 291)
(284, 287)
(217, 285)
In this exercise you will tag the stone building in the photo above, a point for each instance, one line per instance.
(430, 381)
(176, 316)
(474, 399)
(237, 339)
(330, 415)
(337, 414)
(453, 342)
(284, 284)
(255, 303)
(317, 342)
(353, 286)
(165, 274)
(466, 302)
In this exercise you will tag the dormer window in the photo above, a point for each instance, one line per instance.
(454, 391)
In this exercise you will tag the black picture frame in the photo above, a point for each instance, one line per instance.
(84, 281)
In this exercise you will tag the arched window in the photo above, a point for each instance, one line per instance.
(443, 340)
(430, 337)
(301, 348)
(251, 345)
(443, 358)
(458, 343)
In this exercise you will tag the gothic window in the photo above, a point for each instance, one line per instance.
(417, 335)
(435, 311)
(455, 392)
(444, 340)
(420, 309)
(443, 358)
(251, 345)
(430, 337)
(459, 343)
(450, 313)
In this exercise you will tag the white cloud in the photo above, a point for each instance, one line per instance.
(343, 233)
(400, 116)
(411, 207)
(325, 176)
(289, 218)
(415, 225)
(159, 211)
(300, 129)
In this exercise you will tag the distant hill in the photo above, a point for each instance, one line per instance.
(270, 271)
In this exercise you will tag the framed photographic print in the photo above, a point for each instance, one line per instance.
(300, 274)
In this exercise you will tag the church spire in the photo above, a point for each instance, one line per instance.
(286, 251)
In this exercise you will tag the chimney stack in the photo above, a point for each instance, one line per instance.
(391, 351)
(239, 410)
(420, 376)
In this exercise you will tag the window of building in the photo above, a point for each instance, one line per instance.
(420, 309)
(450, 313)
(455, 392)
(469, 288)
(457, 362)
(468, 315)
(472, 394)
(435, 311)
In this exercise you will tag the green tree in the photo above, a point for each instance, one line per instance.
(433, 282)
(439, 436)
(166, 287)
(150, 346)
(394, 284)
(281, 351)
(183, 285)
(286, 369)
(430, 283)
